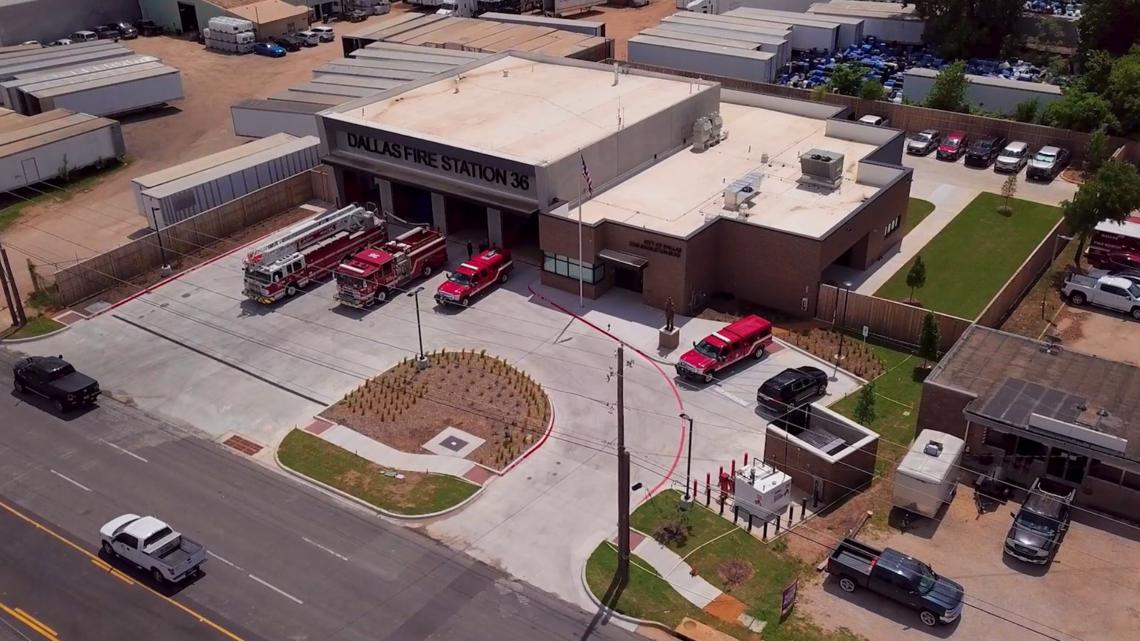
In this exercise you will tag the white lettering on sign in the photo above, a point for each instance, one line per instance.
(442, 162)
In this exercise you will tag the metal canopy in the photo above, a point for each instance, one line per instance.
(1016, 399)
(622, 258)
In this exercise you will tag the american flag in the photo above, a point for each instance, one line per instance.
(586, 175)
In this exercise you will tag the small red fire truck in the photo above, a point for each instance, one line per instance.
(369, 277)
(746, 337)
(307, 251)
(474, 276)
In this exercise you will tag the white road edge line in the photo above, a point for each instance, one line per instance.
(730, 396)
(321, 547)
(277, 590)
(124, 451)
(229, 563)
(72, 481)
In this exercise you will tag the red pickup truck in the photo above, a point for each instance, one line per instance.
(475, 276)
(746, 337)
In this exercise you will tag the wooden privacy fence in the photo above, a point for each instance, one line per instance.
(884, 318)
(1007, 299)
(202, 231)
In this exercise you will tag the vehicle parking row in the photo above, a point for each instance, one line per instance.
(991, 150)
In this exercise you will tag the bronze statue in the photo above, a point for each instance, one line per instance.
(670, 309)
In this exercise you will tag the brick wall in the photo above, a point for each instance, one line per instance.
(941, 409)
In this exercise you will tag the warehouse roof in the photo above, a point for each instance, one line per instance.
(684, 192)
(992, 81)
(511, 106)
(267, 11)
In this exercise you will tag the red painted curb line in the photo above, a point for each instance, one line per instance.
(672, 385)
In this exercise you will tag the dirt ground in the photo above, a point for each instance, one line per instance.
(1099, 332)
(1090, 592)
(622, 23)
(406, 407)
(104, 215)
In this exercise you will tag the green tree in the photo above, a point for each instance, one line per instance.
(929, 339)
(873, 90)
(1111, 25)
(865, 408)
(916, 277)
(846, 79)
(1112, 193)
(968, 28)
(1080, 110)
(948, 92)
(1097, 68)
(1096, 150)
(1008, 190)
(1123, 91)
(1026, 111)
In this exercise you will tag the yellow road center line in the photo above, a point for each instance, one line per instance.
(122, 577)
(39, 623)
(64, 540)
(102, 565)
(28, 622)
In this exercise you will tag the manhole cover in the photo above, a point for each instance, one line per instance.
(453, 443)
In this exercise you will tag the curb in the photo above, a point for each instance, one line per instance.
(379, 510)
(30, 339)
(829, 364)
(533, 448)
(611, 613)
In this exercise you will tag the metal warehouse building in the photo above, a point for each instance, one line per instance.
(673, 207)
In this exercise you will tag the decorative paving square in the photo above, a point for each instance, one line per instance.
(453, 441)
(318, 426)
(69, 317)
(245, 446)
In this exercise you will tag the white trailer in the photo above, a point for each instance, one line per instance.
(48, 150)
(559, 8)
(256, 118)
(711, 60)
(928, 475)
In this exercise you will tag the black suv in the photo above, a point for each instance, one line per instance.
(126, 30)
(106, 32)
(792, 388)
(56, 380)
(984, 151)
(289, 43)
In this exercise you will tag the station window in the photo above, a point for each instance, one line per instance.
(892, 226)
(570, 268)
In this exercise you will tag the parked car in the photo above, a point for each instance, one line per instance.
(953, 146)
(1012, 158)
(32, 42)
(924, 142)
(1040, 524)
(106, 32)
(62, 42)
(1131, 274)
(748, 337)
(871, 119)
(126, 30)
(148, 28)
(898, 577)
(269, 49)
(56, 380)
(152, 546)
(1110, 292)
(326, 34)
(310, 38)
(792, 388)
(984, 151)
(381, 8)
(288, 43)
(356, 15)
(83, 36)
(1047, 163)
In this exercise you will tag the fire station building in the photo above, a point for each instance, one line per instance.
(677, 188)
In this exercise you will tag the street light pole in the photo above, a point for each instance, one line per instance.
(689, 465)
(842, 327)
(158, 234)
(421, 361)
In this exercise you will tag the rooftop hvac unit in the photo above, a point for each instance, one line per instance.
(742, 190)
(702, 134)
(821, 168)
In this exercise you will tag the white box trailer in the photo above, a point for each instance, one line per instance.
(258, 118)
(696, 57)
(183, 198)
(559, 8)
(113, 95)
(10, 90)
(850, 30)
(807, 33)
(776, 45)
(41, 152)
(928, 475)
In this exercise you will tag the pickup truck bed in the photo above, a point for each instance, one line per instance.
(181, 553)
(854, 559)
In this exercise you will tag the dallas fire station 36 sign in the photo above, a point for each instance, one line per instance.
(468, 166)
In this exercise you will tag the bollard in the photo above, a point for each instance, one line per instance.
(765, 530)
(791, 513)
(803, 508)
(749, 521)
(735, 513)
(722, 508)
(694, 494)
(814, 500)
(708, 490)
(746, 458)
(733, 472)
(777, 524)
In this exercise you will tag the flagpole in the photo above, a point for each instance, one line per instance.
(581, 264)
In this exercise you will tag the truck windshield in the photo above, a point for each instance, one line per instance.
(462, 279)
(926, 579)
(257, 275)
(707, 349)
(1134, 290)
(61, 372)
(156, 537)
(350, 281)
(1036, 523)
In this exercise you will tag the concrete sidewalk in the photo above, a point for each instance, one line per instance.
(386, 456)
(676, 572)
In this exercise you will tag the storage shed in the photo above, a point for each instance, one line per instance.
(48, 146)
(273, 17)
(928, 474)
(849, 30)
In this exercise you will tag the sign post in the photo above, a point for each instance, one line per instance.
(788, 599)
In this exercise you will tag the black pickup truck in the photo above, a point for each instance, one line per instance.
(56, 380)
(898, 577)
(1039, 526)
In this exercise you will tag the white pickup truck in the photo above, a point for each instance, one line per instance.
(1110, 292)
(153, 546)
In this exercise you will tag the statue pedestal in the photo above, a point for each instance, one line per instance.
(668, 338)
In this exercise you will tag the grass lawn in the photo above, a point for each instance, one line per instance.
(416, 493)
(37, 326)
(969, 261)
(647, 596)
(13, 205)
(917, 210)
(705, 525)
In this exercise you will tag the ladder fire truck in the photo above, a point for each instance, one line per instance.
(309, 250)
(369, 277)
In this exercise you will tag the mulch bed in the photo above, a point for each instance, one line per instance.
(858, 358)
(406, 407)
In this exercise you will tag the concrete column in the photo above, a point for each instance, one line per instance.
(386, 205)
(495, 227)
(438, 212)
(338, 178)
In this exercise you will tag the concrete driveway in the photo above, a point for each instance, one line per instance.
(1091, 592)
(1099, 332)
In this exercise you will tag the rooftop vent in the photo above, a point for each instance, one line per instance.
(933, 448)
(708, 131)
(741, 192)
(821, 168)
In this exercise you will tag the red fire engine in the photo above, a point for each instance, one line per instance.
(305, 252)
(474, 276)
(1116, 246)
(368, 277)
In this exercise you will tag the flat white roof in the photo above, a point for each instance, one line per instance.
(681, 194)
(991, 81)
(535, 112)
(935, 469)
(1129, 227)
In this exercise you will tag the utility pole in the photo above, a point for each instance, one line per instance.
(11, 294)
(623, 474)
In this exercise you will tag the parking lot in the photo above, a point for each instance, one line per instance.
(1089, 593)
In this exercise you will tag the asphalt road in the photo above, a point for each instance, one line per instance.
(287, 562)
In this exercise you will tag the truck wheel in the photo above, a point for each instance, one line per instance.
(381, 296)
(465, 302)
(60, 406)
(847, 584)
(108, 550)
(157, 576)
(1077, 298)
(290, 291)
(708, 378)
(1135, 313)
(759, 353)
(928, 618)
(18, 386)
(427, 271)
(503, 277)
